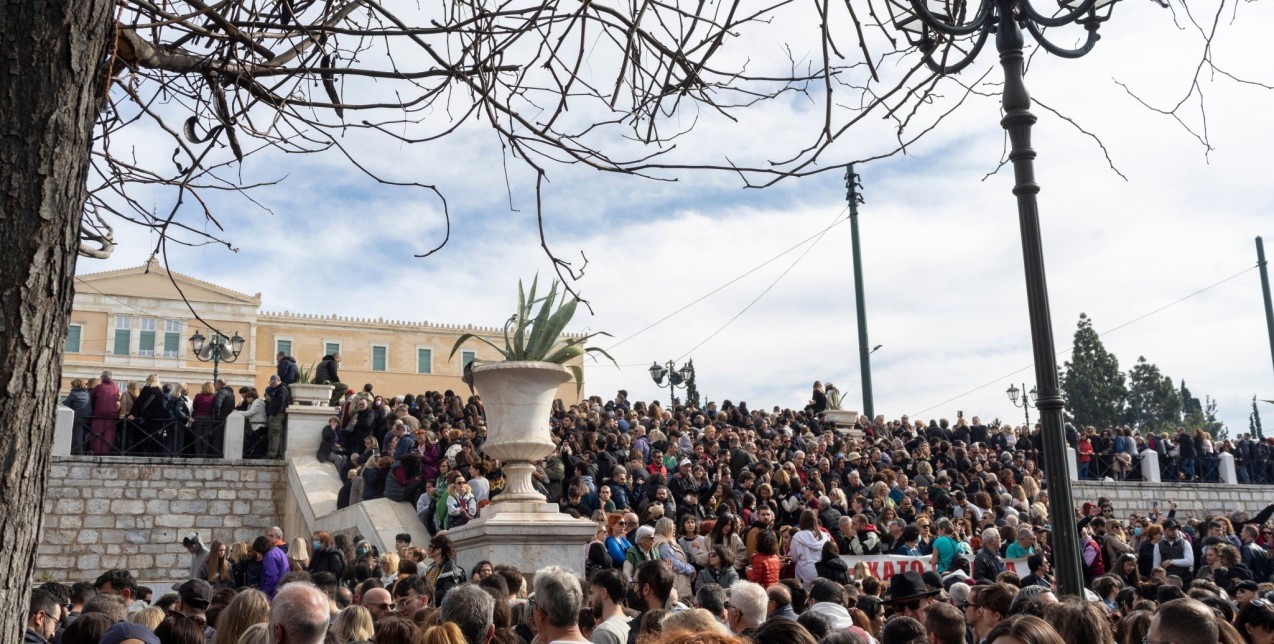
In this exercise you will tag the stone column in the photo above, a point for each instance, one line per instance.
(233, 446)
(1229, 475)
(62, 431)
(1150, 466)
(1072, 463)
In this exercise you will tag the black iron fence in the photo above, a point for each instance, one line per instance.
(200, 438)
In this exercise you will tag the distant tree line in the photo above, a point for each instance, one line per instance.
(1098, 393)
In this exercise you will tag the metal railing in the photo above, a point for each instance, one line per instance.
(170, 438)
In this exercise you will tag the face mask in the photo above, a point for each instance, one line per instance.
(317, 544)
(1137, 531)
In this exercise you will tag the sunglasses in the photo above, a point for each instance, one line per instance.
(912, 606)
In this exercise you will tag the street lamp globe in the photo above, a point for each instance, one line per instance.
(236, 344)
(1013, 393)
(196, 342)
(687, 372)
(657, 373)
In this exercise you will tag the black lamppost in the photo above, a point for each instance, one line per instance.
(675, 378)
(217, 350)
(1022, 398)
(950, 40)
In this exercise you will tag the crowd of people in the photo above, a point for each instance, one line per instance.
(719, 523)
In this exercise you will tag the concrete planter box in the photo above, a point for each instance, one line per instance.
(313, 395)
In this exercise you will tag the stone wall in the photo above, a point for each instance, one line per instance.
(1193, 499)
(125, 512)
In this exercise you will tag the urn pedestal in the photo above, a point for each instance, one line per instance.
(844, 421)
(521, 527)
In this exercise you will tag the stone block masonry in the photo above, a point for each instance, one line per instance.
(1193, 499)
(128, 512)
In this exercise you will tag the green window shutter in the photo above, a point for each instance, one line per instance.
(424, 361)
(285, 346)
(172, 344)
(465, 358)
(146, 343)
(330, 348)
(73, 339)
(121, 341)
(378, 358)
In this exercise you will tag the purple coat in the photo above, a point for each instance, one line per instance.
(273, 567)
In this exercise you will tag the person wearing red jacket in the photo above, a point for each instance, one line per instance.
(766, 565)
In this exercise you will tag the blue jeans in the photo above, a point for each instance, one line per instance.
(1187, 467)
(1083, 471)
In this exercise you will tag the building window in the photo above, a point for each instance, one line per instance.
(146, 342)
(424, 360)
(283, 346)
(331, 348)
(123, 334)
(380, 356)
(465, 358)
(172, 338)
(73, 334)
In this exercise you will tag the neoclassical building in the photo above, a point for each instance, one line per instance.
(135, 322)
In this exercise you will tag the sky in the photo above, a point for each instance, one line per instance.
(757, 286)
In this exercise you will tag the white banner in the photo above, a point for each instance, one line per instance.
(885, 566)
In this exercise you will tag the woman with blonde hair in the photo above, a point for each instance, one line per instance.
(256, 634)
(671, 552)
(353, 624)
(150, 617)
(298, 554)
(249, 608)
(389, 568)
(447, 633)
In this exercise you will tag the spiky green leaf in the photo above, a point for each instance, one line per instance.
(472, 336)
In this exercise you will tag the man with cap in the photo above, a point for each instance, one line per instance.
(277, 399)
(128, 633)
(193, 598)
(909, 595)
(682, 483)
(1174, 553)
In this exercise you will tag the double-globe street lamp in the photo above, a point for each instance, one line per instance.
(676, 378)
(1024, 399)
(936, 27)
(219, 349)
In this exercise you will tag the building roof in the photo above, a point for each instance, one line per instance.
(153, 280)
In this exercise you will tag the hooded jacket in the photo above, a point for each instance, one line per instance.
(288, 371)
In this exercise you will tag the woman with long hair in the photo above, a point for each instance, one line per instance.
(353, 624)
(388, 568)
(1023, 629)
(807, 548)
(718, 571)
(216, 569)
(1126, 569)
(247, 608)
(1255, 622)
(670, 551)
(725, 533)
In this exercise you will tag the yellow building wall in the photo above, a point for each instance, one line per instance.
(147, 291)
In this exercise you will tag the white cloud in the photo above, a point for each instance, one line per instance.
(944, 281)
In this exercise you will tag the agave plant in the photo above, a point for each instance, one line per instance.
(535, 336)
(305, 375)
(833, 396)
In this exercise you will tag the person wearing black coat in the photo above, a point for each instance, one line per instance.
(326, 557)
(79, 401)
(223, 404)
(151, 409)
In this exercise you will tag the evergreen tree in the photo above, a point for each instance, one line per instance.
(1211, 424)
(1191, 409)
(1094, 385)
(1153, 402)
(692, 392)
(1254, 421)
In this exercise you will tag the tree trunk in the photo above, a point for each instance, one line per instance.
(52, 51)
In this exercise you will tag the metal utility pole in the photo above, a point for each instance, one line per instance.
(1265, 291)
(864, 356)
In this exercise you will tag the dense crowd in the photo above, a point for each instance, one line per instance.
(718, 523)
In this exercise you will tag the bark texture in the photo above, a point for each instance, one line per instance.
(51, 51)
